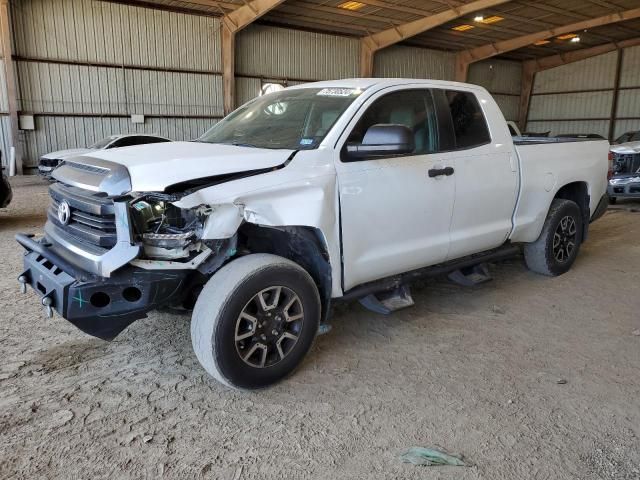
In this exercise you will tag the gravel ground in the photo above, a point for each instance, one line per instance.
(479, 371)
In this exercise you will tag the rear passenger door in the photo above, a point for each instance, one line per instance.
(486, 176)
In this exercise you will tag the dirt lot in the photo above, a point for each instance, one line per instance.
(474, 370)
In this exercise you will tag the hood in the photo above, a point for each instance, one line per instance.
(626, 148)
(157, 166)
(624, 178)
(72, 152)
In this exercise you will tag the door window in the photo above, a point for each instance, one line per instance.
(411, 108)
(469, 124)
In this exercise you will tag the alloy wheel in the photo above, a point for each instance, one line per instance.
(268, 327)
(564, 239)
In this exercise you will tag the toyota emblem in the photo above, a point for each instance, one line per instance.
(64, 212)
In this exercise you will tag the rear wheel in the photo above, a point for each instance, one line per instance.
(557, 247)
(255, 320)
(613, 200)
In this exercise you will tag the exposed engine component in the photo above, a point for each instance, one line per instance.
(166, 232)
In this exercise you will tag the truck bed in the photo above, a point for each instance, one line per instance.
(546, 164)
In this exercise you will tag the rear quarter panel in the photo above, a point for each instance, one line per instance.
(545, 169)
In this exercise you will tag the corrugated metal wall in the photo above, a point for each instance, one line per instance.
(629, 96)
(502, 78)
(282, 53)
(578, 97)
(85, 66)
(412, 62)
(592, 73)
(291, 56)
(103, 32)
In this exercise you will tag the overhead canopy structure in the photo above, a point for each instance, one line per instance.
(398, 33)
(472, 29)
(476, 54)
(453, 25)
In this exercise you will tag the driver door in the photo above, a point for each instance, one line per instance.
(394, 217)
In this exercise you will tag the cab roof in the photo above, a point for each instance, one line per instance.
(365, 83)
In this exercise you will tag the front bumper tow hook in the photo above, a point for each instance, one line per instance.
(47, 302)
(23, 283)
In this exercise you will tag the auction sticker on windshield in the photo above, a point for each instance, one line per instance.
(339, 92)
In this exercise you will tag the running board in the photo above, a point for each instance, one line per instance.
(396, 281)
(388, 302)
(471, 276)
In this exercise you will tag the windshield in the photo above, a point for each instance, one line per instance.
(100, 144)
(290, 119)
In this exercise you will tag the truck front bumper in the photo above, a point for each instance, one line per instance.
(625, 190)
(101, 307)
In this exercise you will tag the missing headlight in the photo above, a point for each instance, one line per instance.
(166, 231)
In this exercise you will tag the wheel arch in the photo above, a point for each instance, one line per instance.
(303, 245)
(577, 192)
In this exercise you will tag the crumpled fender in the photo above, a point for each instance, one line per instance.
(296, 205)
(283, 198)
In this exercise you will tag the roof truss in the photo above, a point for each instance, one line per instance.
(372, 43)
(466, 57)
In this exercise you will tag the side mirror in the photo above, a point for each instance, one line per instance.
(383, 140)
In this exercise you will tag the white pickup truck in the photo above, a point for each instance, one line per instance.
(326, 191)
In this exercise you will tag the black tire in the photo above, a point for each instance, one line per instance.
(613, 200)
(542, 255)
(231, 294)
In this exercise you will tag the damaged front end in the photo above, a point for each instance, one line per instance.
(110, 254)
(105, 262)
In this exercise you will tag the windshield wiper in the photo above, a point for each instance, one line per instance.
(240, 144)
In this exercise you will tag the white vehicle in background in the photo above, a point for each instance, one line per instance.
(51, 160)
(625, 169)
(322, 192)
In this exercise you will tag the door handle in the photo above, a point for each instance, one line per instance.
(437, 172)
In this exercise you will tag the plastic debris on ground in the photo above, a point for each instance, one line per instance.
(432, 457)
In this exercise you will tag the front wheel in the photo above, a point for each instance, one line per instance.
(255, 320)
(557, 247)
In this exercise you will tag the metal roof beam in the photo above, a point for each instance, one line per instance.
(372, 43)
(232, 23)
(466, 57)
(552, 61)
(248, 13)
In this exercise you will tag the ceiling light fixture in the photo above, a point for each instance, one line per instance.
(567, 36)
(463, 28)
(575, 40)
(479, 18)
(353, 6)
(492, 19)
(542, 42)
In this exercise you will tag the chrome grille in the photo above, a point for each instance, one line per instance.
(92, 217)
(626, 162)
